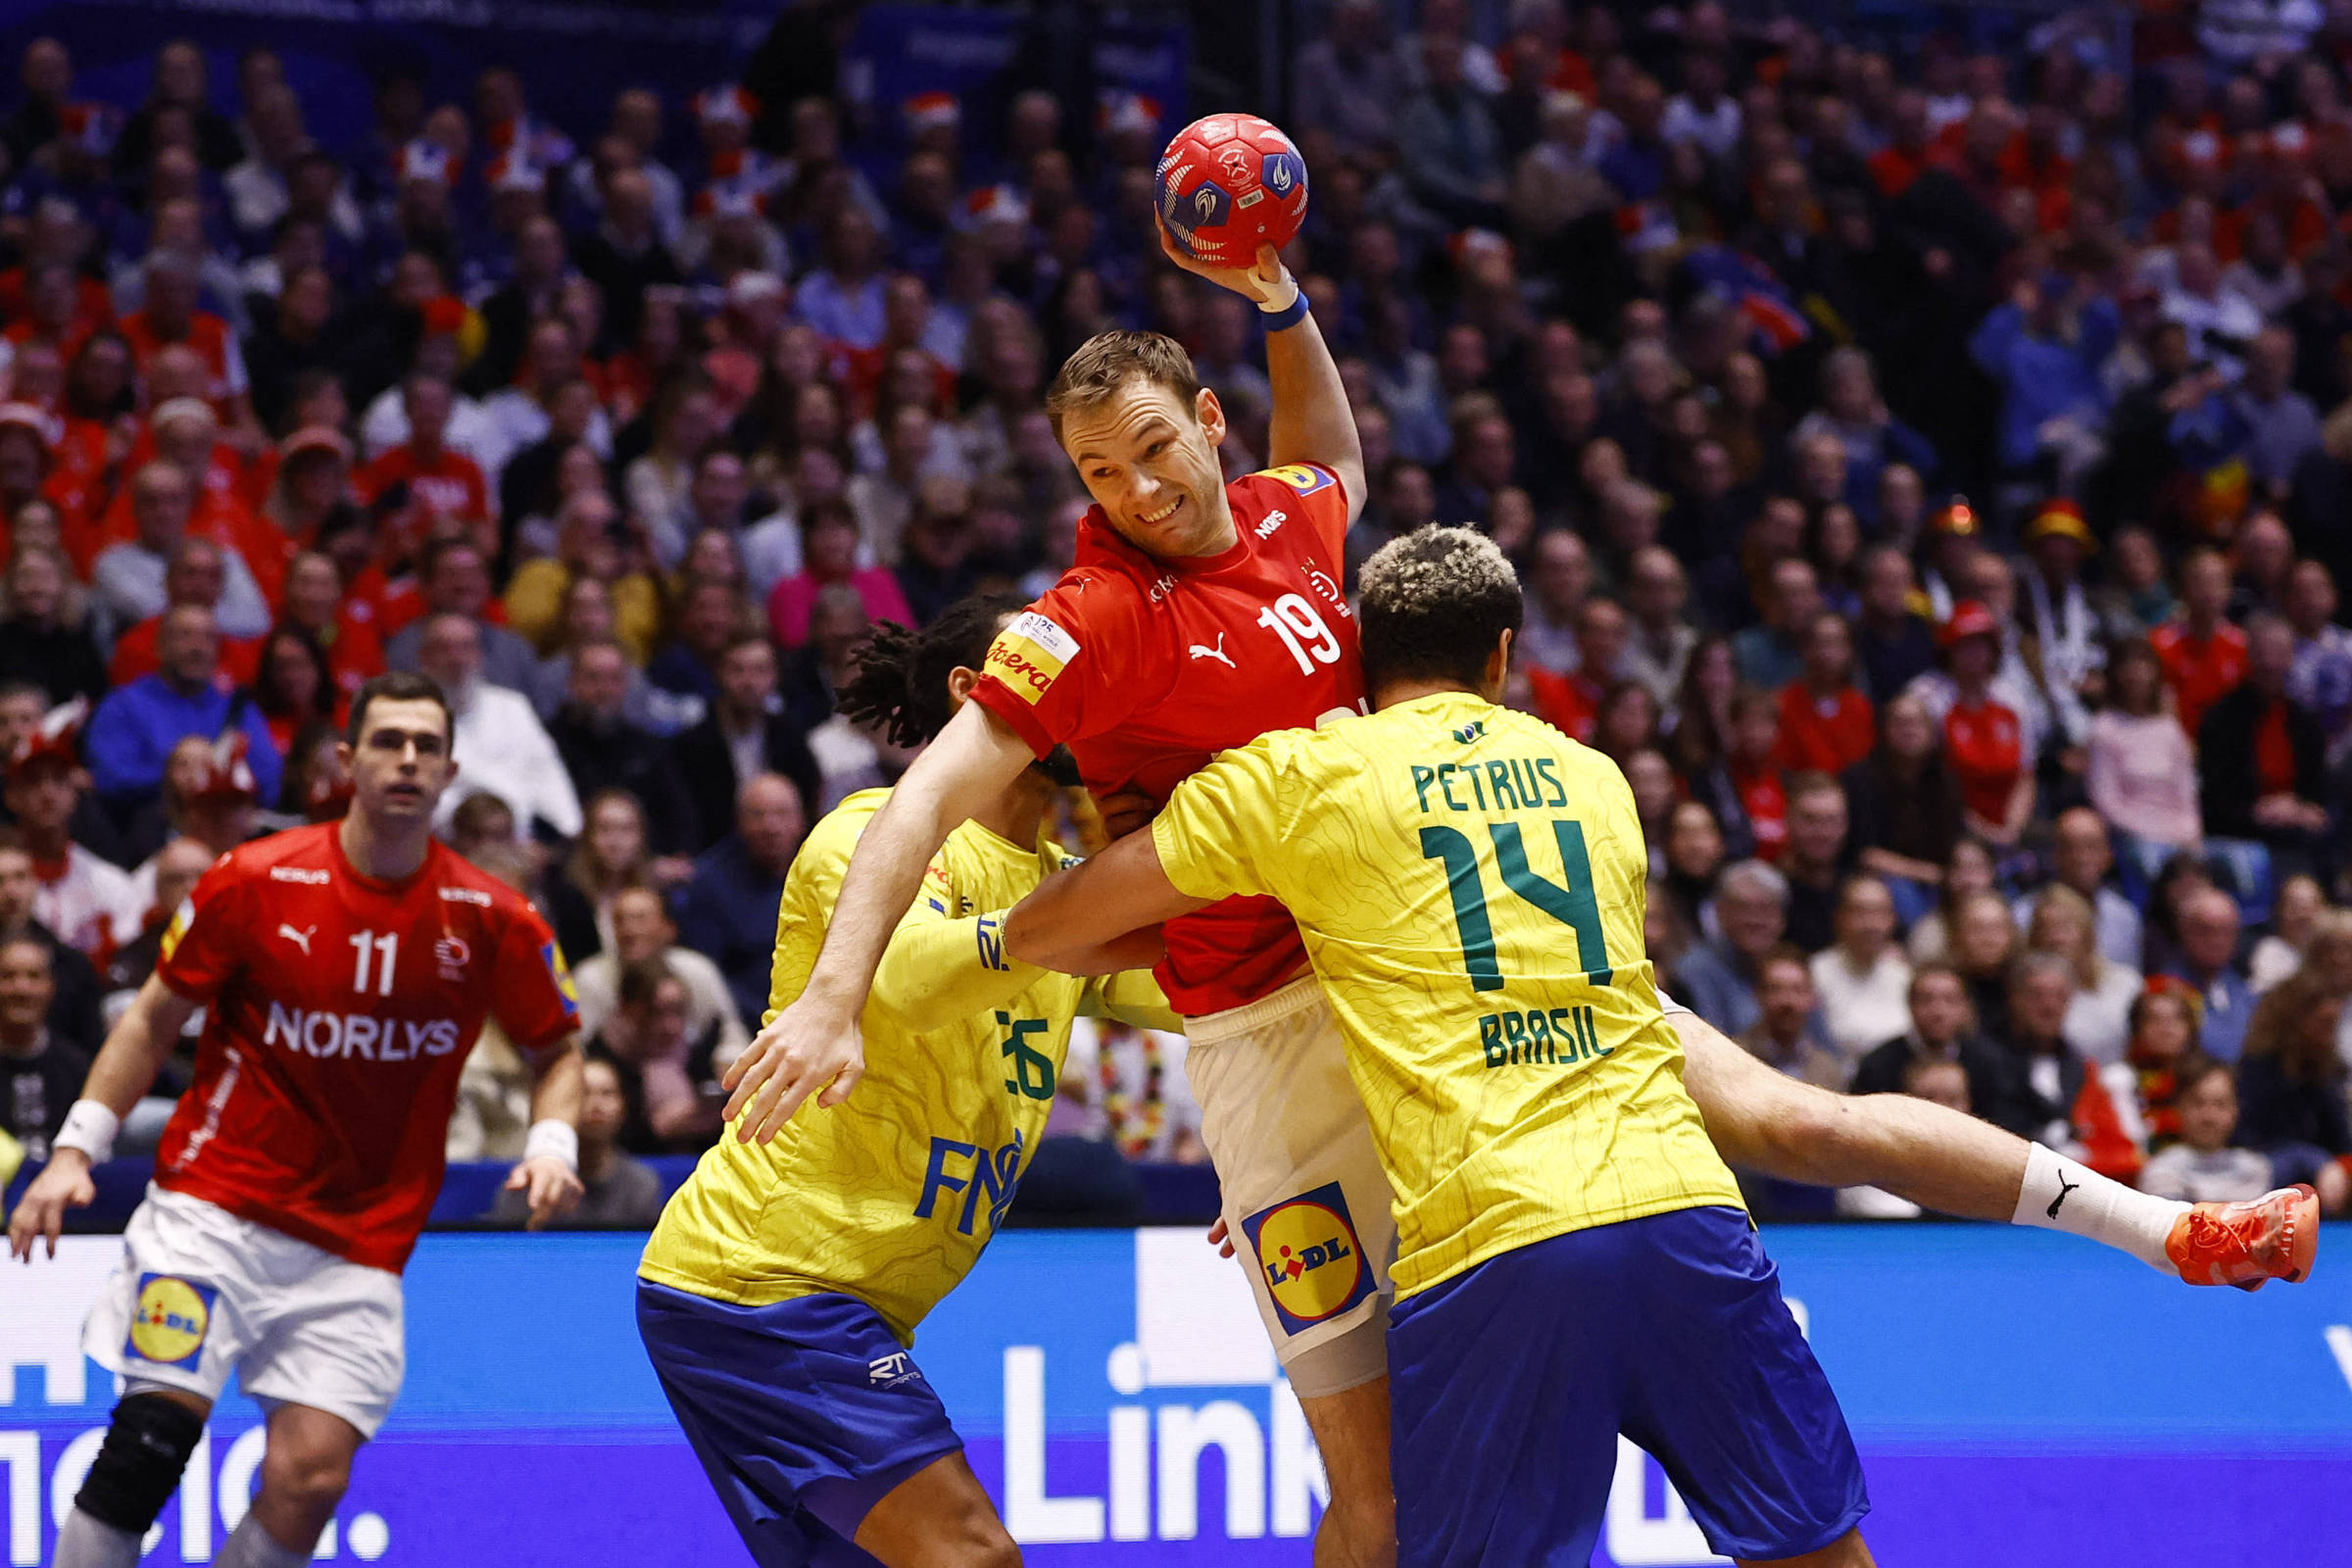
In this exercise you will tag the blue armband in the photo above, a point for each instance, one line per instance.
(1290, 315)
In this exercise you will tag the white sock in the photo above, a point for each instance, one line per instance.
(252, 1546)
(84, 1542)
(2064, 1195)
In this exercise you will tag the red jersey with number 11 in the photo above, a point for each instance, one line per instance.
(1147, 668)
(339, 1011)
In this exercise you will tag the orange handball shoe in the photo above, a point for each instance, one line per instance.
(2248, 1244)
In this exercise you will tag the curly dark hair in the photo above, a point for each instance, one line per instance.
(1436, 602)
(901, 681)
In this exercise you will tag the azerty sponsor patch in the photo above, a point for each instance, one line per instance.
(1029, 653)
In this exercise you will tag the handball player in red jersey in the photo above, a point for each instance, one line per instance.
(1198, 614)
(344, 970)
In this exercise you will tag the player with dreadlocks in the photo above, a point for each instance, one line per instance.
(780, 1291)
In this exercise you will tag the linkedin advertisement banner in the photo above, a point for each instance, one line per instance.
(2019, 1397)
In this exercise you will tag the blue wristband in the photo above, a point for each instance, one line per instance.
(1290, 315)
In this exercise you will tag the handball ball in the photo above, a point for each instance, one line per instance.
(1229, 183)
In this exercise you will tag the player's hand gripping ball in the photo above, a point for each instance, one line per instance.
(1229, 183)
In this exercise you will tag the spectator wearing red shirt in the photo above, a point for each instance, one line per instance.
(169, 315)
(2262, 758)
(1827, 724)
(1571, 703)
(293, 687)
(345, 630)
(1753, 763)
(54, 312)
(2202, 654)
(1984, 741)
(441, 482)
(308, 484)
(196, 573)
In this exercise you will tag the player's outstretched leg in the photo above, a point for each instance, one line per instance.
(147, 1446)
(2248, 1244)
(305, 1469)
(939, 1517)
(1955, 1165)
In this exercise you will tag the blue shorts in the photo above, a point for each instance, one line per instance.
(1508, 1386)
(805, 1414)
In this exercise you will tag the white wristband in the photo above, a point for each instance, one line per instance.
(1285, 295)
(89, 1127)
(553, 1139)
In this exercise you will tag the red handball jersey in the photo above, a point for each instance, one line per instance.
(1825, 735)
(2200, 670)
(340, 1011)
(1147, 668)
(1984, 748)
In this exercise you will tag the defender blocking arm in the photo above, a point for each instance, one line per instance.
(813, 1045)
(1091, 918)
(126, 1066)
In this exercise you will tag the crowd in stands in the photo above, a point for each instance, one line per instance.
(1929, 465)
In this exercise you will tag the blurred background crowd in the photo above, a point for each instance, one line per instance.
(1929, 465)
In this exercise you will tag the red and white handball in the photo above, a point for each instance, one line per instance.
(1229, 183)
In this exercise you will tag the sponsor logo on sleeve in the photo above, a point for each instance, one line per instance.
(1299, 477)
(1309, 1258)
(169, 1320)
(1030, 654)
(552, 957)
(473, 896)
(182, 918)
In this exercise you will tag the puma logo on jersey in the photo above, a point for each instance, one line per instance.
(1217, 653)
(300, 938)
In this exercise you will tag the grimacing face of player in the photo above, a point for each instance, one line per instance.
(401, 763)
(1151, 463)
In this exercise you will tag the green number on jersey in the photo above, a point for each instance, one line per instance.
(1033, 1069)
(1574, 905)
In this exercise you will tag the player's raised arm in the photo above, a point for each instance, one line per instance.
(813, 1045)
(1087, 919)
(126, 1065)
(1311, 421)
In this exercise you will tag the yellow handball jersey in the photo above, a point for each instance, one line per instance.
(1470, 885)
(890, 1195)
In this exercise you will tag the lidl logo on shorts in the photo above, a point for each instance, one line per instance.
(1313, 1265)
(552, 957)
(1029, 653)
(169, 1324)
(1299, 477)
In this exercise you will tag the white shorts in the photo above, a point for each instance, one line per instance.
(1304, 1193)
(201, 1291)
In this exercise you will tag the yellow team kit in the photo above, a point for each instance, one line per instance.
(1470, 886)
(891, 1195)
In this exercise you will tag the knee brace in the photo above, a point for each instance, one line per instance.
(137, 1468)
